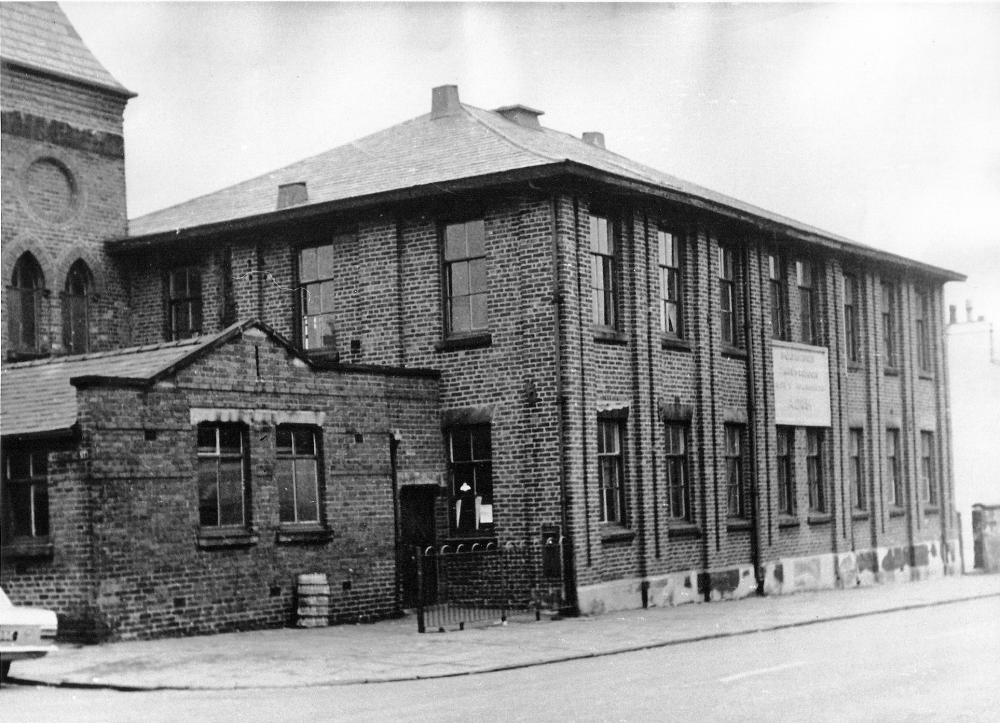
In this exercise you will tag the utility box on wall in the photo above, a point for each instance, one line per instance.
(552, 552)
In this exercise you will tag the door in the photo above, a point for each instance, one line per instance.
(416, 529)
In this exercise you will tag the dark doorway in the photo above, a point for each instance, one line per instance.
(416, 528)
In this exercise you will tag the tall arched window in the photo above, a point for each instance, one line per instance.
(76, 309)
(24, 305)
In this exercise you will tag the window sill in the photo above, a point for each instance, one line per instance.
(926, 375)
(681, 529)
(733, 352)
(323, 355)
(612, 532)
(891, 371)
(855, 366)
(931, 511)
(290, 534)
(605, 335)
(788, 521)
(467, 341)
(819, 518)
(857, 515)
(673, 343)
(896, 512)
(211, 538)
(737, 524)
(27, 548)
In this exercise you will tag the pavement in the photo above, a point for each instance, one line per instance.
(393, 650)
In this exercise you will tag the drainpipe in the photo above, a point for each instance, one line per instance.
(569, 572)
(752, 423)
(394, 439)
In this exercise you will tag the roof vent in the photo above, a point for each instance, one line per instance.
(594, 138)
(292, 194)
(522, 115)
(444, 101)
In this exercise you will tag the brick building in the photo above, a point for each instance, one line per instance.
(477, 329)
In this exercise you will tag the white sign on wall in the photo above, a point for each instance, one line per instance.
(801, 385)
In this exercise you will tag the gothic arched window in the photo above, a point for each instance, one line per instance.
(24, 305)
(76, 309)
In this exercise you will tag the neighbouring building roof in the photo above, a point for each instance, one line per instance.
(37, 396)
(39, 36)
(433, 150)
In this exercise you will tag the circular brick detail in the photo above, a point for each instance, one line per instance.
(50, 190)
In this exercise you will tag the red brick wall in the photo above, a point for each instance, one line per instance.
(391, 294)
(63, 195)
(150, 577)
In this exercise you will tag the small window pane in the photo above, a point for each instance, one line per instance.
(206, 438)
(459, 278)
(194, 283)
(480, 318)
(208, 496)
(41, 509)
(461, 448)
(304, 442)
(328, 293)
(455, 246)
(308, 270)
(324, 262)
(461, 317)
(476, 237)
(803, 271)
(231, 492)
(19, 466)
(19, 499)
(284, 440)
(286, 493)
(230, 439)
(305, 490)
(39, 464)
(477, 275)
(481, 444)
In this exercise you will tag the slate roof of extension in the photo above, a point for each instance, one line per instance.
(41, 37)
(37, 396)
(426, 151)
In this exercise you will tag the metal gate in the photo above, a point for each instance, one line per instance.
(481, 582)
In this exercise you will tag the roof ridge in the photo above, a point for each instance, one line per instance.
(498, 132)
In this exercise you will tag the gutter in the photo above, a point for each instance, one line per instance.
(71, 432)
(119, 90)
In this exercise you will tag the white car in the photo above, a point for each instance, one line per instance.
(24, 632)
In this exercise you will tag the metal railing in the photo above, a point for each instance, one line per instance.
(470, 582)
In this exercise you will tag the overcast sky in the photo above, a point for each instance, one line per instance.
(880, 123)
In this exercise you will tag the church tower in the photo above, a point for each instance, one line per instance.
(63, 175)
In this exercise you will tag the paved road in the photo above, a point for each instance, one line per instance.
(937, 663)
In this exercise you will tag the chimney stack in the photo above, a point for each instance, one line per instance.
(594, 138)
(952, 314)
(968, 310)
(444, 101)
(292, 194)
(522, 115)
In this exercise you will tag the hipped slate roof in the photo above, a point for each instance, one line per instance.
(39, 36)
(428, 153)
(39, 396)
(419, 152)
